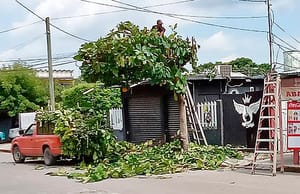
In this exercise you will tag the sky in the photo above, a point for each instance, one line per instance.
(224, 29)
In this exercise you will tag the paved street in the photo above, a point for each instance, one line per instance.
(25, 179)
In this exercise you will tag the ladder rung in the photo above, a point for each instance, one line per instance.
(268, 105)
(264, 152)
(270, 82)
(263, 163)
(269, 94)
(267, 117)
(266, 128)
(265, 140)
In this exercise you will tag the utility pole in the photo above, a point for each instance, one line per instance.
(270, 35)
(50, 70)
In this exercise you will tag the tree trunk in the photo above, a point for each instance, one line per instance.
(183, 123)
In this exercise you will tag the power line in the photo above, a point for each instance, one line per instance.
(254, 1)
(64, 56)
(160, 5)
(54, 26)
(183, 15)
(58, 64)
(221, 17)
(286, 51)
(122, 10)
(46, 62)
(28, 42)
(19, 27)
(140, 9)
(174, 16)
(286, 32)
(293, 48)
(36, 68)
(68, 33)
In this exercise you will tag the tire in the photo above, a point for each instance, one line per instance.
(18, 157)
(49, 159)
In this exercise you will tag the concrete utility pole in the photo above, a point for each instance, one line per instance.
(50, 70)
(270, 35)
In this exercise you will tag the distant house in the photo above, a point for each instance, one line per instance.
(63, 77)
(150, 112)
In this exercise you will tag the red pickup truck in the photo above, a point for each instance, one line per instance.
(35, 142)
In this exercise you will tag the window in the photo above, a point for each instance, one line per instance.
(46, 128)
(30, 130)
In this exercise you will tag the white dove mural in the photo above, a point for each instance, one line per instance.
(247, 112)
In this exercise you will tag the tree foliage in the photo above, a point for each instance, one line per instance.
(243, 65)
(21, 90)
(86, 96)
(128, 55)
(248, 67)
(83, 121)
(146, 159)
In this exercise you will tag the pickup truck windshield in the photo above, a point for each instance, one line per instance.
(29, 131)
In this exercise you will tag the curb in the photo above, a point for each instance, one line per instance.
(4, 150)
(291, 168)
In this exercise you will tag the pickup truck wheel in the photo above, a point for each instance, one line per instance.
(49, 159)
(18, 157)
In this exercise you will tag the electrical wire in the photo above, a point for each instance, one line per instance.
(26, 43)
(287, 52)
(254, 1)
(46, 62)
(68, 33)
(283, 30)
(140, 9)
(116, 11)
(293, 48)
(36, 68)
(58, 64)
(174, 16)
(54, 26)
(19, 27)
(160, 5)
(57, 56)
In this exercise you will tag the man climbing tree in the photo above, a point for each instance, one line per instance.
(159, 28)
(128, 55)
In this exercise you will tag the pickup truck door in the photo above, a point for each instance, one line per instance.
(26, 141)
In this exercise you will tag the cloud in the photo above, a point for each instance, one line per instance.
(286, 4)
(228, 58)
(218, 42)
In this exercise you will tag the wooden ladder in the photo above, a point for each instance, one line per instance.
(269, 125)
(194, 119)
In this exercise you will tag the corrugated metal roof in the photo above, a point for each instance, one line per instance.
(234, 75)
(295, 73)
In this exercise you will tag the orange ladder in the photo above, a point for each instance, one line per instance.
(269, 125)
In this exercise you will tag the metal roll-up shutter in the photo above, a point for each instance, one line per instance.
(173, 118)
(145, 119)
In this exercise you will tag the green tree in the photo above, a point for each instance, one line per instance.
(128, 55)
(243, 65)
(248, 67)
(86, 96)
(21, 90)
